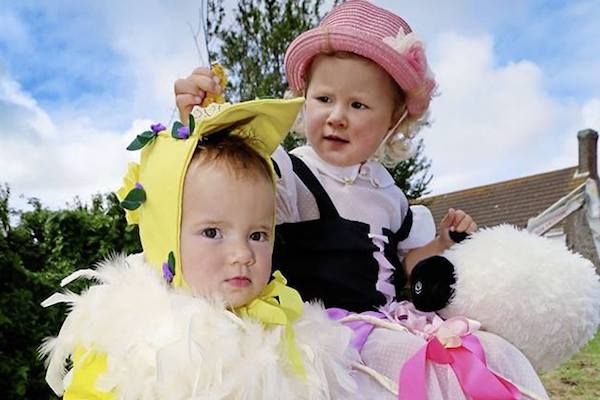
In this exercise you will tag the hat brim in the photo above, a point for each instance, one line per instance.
(328, 40)
(265, 119)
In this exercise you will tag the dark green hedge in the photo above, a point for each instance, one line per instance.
(37, 249)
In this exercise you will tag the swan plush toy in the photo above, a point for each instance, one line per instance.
(532, 291)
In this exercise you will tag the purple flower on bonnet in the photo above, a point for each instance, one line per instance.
(167, 274)
(183, 132)
(138, 186)
(157, 127)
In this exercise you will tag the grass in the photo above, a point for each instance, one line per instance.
(578, 378)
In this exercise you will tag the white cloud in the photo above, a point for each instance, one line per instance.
(491, 121)
(517, 81)
(58, 160)
(158, 48)
(590, 114)
(21, 113)
(496, 118)
(430, 17)
(62, 151)
(586, 116)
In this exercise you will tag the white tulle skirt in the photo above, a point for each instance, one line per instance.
(386, 351)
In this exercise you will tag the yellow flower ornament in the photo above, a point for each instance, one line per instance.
(211, 98)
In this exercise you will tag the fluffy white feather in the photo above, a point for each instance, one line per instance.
(164, 344)
(530, 290)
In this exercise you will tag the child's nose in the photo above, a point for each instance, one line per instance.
(337, 117)
(241, 253)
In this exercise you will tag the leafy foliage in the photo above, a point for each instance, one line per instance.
(412, 175)
(253, 48)
(38, 250)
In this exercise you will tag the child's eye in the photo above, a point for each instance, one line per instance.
(212, 233)
(358, 105)
(259, 236)
(323, 99)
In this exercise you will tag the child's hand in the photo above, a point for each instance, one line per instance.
(455, 221)
(190, 91)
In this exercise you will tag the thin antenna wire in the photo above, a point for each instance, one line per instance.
(200, 35)
(200, 38)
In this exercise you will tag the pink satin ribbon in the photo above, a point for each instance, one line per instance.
(467, 360)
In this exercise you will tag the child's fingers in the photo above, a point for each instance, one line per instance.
(185, 103)
(188, 100)
(472, 227)
(448, 219)
(207, 83)
(463, 224)
(198, 83)
(202, 73)
(459, 217)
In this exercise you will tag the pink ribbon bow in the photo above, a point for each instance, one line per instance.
(453, 344)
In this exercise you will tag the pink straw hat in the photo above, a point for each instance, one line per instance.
(359, 27)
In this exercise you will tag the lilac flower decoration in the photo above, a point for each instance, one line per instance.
(183, 132)
(167, 273)
(139, 186)
(157, 127)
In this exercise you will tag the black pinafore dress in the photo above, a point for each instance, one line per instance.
(331, 258)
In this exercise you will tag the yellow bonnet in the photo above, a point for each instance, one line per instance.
(152, 190)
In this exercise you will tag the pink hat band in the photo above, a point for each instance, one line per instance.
(359, 27)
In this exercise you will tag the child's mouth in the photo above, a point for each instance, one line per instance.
(334, 138)
(239, 281)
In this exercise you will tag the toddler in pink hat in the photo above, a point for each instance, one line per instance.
(346, 234)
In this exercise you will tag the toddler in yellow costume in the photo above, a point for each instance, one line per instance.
(194, 316)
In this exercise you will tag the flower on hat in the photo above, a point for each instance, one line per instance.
(402, 41)
(168, 268)
(413, 50)
(183, 132)
(132, 193)
(409, 45)
(180, 131)
(158, 127)
(146, 137)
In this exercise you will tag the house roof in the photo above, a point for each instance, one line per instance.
(513, 201)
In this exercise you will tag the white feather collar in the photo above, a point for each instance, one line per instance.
(161, 343)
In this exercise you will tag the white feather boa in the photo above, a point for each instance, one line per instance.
(165, 344)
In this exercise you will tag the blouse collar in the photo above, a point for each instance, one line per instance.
(370, 171)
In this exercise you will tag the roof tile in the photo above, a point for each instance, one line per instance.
(513, 201)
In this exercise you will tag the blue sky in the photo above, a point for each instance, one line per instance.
(78, 80)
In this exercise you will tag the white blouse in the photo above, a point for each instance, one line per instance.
(364, 192)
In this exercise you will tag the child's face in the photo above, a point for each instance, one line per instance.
(226, 228)
(349, 108)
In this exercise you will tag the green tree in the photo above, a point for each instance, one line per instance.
(38, 249)
(412, 175)
(252, 49)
